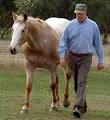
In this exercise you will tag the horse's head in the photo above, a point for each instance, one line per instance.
(19, 30)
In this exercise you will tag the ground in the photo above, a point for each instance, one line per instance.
(12, 86)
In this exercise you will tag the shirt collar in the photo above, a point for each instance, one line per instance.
(83, 21)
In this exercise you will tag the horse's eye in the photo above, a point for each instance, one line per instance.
(22, 31)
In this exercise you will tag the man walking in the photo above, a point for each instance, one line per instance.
(81, 37)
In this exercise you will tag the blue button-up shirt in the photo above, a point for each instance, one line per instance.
(82, 38)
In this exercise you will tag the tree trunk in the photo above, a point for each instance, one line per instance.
(105, 40)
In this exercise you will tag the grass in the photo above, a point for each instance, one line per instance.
(12, 92)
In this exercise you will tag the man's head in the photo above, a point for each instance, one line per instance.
(80, 11)
(80, 8)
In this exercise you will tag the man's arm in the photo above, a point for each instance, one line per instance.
(99, 48)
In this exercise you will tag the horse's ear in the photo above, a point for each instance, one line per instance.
(14, 16)
(25, 17)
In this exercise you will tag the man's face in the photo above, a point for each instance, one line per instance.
(81, 16)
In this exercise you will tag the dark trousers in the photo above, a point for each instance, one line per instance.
(80, 66)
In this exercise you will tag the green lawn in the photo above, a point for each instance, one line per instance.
(12, 86)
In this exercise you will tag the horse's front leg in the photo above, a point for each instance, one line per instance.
(29, 70)
(54, 88)
(66, 91)
(57, 85)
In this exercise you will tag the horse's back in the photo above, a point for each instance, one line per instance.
(58, 24)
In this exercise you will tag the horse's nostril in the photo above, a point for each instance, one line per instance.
(13, 51)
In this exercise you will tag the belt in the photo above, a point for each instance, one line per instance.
(79, 54)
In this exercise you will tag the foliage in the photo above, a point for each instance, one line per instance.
(44, 8)
(23, 5)
(98, 10)
(6, 8)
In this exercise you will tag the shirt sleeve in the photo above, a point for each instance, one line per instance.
(63, 44)
(98, 45)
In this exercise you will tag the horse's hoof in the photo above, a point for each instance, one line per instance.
(66, 104)
(24, 111)
(54, 109)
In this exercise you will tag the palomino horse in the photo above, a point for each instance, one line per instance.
(38, 39)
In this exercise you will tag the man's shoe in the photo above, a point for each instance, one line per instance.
(77, 112)
(84, 109)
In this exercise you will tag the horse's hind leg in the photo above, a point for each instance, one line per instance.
(29, 70)
(66, 91)
(54, 88)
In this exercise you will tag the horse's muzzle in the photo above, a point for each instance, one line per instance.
(13, 51)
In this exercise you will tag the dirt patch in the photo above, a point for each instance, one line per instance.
(106, 57)
(8, 61)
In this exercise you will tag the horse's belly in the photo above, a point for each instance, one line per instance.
(42, 62)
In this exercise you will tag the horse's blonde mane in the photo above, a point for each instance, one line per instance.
(38, 20)
(32, 20)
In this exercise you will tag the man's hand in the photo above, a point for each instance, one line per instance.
(100, 66)
(62, 62)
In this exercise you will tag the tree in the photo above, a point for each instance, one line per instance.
(6, 8)
(98, 10)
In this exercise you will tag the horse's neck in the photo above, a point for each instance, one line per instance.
(31, 43)
(40, 38)
(33, 40)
